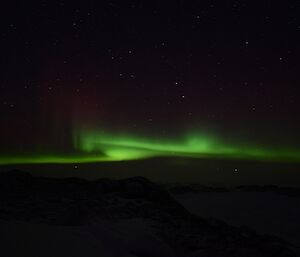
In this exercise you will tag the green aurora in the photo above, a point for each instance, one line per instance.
(93, 146)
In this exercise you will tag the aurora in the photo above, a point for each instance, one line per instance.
(195, 145)
(94, 146)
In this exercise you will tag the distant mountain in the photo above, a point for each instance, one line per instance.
(77, 203)
(198, 188)
(288, 191)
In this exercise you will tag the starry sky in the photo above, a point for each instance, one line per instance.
(118, 80)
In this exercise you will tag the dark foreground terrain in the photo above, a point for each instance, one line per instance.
(130, 217)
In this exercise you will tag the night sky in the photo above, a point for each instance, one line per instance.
(121, 80)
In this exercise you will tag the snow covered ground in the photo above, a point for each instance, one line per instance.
(112, 239)
(44, 217)
(266, 212)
